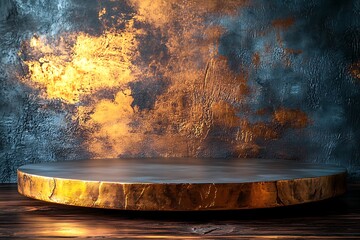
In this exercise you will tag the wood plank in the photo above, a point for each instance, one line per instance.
(21, 217)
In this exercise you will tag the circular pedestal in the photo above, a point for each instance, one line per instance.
(172, 184)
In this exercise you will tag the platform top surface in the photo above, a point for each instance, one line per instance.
(185, 170)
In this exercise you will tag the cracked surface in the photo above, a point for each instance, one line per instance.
(181, 184)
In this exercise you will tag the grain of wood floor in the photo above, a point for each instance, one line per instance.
(23, 218)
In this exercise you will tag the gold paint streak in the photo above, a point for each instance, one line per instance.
(224, 114)
(109, 121)
(291, 117)
(102, 12)
(355, 70)
(283, 23)
(256, 60)
(91, 64)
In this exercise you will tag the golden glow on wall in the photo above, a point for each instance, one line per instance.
(70, 71)
(204, 101)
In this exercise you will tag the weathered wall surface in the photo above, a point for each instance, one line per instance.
(135, 78)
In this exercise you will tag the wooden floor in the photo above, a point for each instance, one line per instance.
(23, 218)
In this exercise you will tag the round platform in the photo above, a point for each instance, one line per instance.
(172, 184)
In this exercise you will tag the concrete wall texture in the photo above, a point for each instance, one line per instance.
(137, 78)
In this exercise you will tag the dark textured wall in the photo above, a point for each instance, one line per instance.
(269, 79)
